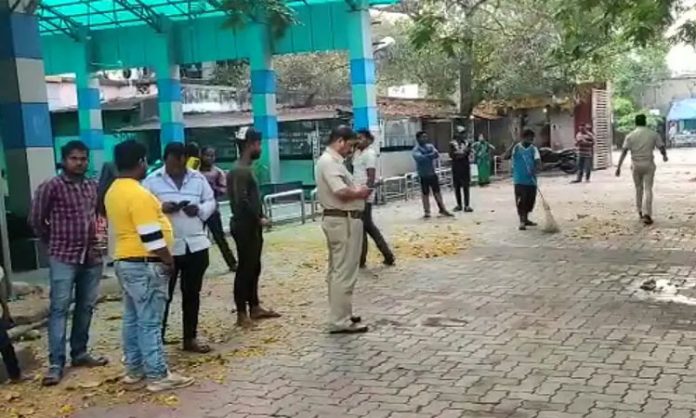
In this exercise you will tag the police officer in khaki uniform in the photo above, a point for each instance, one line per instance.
(343, 203)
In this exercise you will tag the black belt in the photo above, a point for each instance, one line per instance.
(354, 214)
(141, 259)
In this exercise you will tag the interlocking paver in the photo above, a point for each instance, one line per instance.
(550, 326)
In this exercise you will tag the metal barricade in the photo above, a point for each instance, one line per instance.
(268, 202)
(500, 166)
(412, 184)
(445, 176)
(393, 188)
(314, 204)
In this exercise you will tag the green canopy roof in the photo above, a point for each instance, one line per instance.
(78, 17)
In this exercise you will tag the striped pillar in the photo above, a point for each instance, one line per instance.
(263, 90)
(170, 109)
(89, 113)
(362, 69)
(25, 124)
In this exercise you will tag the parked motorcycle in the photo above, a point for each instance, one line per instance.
(566, 160)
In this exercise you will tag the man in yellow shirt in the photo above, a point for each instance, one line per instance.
(143, 264)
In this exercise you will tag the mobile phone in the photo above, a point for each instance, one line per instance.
(183, 204)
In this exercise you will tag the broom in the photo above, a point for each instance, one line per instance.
(550, 225)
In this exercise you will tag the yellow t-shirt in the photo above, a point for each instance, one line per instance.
(193, 163)
(137, 220)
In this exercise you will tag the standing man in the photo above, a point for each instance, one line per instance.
(641, 143)
(343, 202)
(526, 161)
(64, 216)
(143, 267)
(218, 182)
(584, 141)
(246, 226)
(188, 201)
(460, 153)
(425, 155)
(365, 172)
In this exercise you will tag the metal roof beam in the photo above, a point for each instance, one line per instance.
(144, 12)
(67, 25)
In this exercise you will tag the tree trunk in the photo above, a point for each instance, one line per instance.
(466, 71)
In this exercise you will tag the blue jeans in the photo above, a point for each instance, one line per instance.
(84, 280)
(145, 292)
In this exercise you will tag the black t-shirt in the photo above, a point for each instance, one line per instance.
(243, 192)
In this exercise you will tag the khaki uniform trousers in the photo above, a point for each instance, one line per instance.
(344, 237)
(643, 178)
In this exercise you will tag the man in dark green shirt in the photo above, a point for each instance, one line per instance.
(246, 226)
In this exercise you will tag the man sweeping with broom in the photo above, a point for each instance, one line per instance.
(526, 161)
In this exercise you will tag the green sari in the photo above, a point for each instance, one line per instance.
(483, 161)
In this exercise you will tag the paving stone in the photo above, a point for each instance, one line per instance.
(520, 325)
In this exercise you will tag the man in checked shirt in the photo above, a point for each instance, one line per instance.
(63, 215)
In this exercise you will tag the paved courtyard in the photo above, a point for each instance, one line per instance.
(494, 323)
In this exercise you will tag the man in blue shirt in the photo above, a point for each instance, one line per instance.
(425, 155)
(525, 164)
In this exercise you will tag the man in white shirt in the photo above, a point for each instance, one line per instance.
(364, 174)
(188, 201)
(642, 143)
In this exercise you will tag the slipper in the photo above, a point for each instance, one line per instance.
(350, 330)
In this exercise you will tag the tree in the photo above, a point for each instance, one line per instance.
(276, 13)
(508, 47)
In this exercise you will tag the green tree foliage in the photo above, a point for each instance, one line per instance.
(275, 13)
(526, 47)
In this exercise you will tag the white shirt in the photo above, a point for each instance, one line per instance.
(362, 161)
(188, 231)
(642, 142)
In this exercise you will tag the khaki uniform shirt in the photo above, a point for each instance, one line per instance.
(642, 142)
(332, 176)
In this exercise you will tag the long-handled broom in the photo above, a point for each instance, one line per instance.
(550, 225)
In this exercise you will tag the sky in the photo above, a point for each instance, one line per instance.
(682, 58)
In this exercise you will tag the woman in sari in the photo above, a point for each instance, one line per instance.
(482, 149)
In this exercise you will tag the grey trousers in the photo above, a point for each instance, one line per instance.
(344, 237)
(643, 178)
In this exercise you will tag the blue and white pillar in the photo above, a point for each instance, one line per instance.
(170, 108)
(25, 124)
(89, 111)
(263, 90)
(169, 93)
(362, 69)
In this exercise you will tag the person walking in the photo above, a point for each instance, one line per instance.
(460, 153)
(526, 161)
(143, 267)
(584, 141)
(218, 182)
(482, 150)
(188, 201)
(193, 156)
(343, 202)
(641, 143)
(365, 173)
(246, 226)
(425, 155)
(64, 217)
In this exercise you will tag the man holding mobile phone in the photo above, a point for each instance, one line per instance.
(188, 201)
(343, 202)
